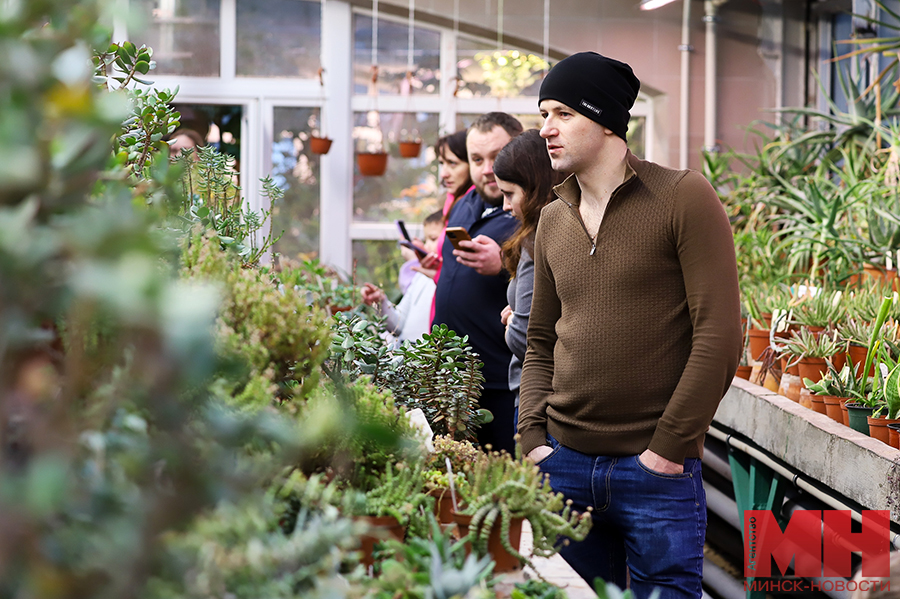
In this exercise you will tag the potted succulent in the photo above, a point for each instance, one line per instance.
(462, 456)
(832, 389)
(504, 491)
(819, 311)
(809, 351)
(864, 391)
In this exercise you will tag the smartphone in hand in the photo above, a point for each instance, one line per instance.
(420, 251)
(403, 232)
(457, 234)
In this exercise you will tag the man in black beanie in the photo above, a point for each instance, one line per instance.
(634, 336)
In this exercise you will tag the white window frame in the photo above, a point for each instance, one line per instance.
(260, 96)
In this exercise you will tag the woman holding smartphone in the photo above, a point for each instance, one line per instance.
(523, 173)
(453, 171)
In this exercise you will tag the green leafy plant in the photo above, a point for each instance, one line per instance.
(537, 589)
(439, 373)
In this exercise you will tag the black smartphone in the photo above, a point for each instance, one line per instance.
(420, 252)
(402, 226)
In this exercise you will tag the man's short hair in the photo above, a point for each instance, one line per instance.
(486, 122)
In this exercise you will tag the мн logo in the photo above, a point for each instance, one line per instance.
(820, 543)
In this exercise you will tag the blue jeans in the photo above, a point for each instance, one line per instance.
(651, 524)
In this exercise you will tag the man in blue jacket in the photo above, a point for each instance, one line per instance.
(471, 291)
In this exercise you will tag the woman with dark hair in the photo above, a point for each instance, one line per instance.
(523, 173)
(453, 171)
(453, 162)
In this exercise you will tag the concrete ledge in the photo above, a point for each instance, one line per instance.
(858, 467)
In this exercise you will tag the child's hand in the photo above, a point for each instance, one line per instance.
(372, 295)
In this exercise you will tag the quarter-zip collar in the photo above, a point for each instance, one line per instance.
(570, 192)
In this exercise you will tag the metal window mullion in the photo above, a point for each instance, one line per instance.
(228, 39)
(448, 61)
(336, 171)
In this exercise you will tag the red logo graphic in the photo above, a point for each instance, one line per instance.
(819, 542)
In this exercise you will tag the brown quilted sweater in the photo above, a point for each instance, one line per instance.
(632, 343)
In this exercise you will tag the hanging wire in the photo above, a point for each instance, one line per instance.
(456, 43)
(374, 33)
(500, 25)
(547, 35)
(412, 28)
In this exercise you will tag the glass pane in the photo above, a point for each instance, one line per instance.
(184, 35)
(409, 189)
(279, 38)
(296, 170)
(637, 136)
(393, 45)
(485, 71)
(529, 121)
(378, 262)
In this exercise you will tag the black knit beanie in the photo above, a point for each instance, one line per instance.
(600, 88)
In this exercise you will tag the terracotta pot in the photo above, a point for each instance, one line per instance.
(818, 404)
(387, 524)
(858, 417)
(812, 369)
(767, 318)
(759, 341)
(878, 428)
(833, 408)
(743, 372)
(838, 360)
(894, 435)
(874, 273)
(504, 561)
(805, 399)
(410, 149)
(372, 164)
(319, 145)
(845, 416)
(443, 505)
(858, 356)
(795, 388)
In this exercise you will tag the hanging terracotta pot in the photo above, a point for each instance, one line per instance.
(372, 164)
(410, 149)
(319, 145)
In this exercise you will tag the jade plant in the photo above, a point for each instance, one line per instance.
(439, 373)
(503, 487)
